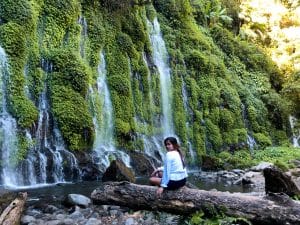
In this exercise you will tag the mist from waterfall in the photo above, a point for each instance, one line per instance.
(104, 147)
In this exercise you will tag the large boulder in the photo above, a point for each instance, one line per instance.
(118, 171)
(142, 164)
(261, 166)
(277, 181)
(89, 170)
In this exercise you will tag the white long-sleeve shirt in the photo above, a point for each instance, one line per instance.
(173, 168)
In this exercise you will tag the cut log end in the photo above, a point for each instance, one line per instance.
(13, 212)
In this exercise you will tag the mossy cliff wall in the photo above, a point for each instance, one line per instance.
(231, 86)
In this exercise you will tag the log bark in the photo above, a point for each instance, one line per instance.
(13, 212)
(277, 210)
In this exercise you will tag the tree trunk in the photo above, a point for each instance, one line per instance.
(276, 210)
(12, 214)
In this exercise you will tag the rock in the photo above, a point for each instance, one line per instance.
(118, 171)
(50, 209)
(277, 181)
(129, 221)
(93, 221)
(296, 162)
(77, 215)
(68, 221)
(53, 222)
(142, 164)
(76, 199)
(27, 219)
(261, 166)
(89, 170)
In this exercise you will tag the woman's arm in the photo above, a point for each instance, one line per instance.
(166, 174)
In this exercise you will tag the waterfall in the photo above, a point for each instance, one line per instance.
(55, 161)
(8, 129)
(104, 147)
(47, 161)
(295, 131)
(83, 35)
(188, 111)
(250, 139)
(160, 57)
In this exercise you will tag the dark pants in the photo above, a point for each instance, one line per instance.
(175, 184)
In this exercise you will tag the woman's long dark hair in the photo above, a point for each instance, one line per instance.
(176, 146)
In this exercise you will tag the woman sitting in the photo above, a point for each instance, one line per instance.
(174, 173)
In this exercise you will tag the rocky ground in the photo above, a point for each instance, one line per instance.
(80, 211)
(94, 215)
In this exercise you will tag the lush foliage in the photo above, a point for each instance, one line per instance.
(281, 156)
(68, 86)
(224, 89)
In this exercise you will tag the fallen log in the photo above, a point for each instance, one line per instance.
(11, 215)
(258, 210)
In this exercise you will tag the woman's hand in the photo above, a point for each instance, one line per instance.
(159, 191)
(155, 172)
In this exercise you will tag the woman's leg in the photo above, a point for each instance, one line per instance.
(155, 181)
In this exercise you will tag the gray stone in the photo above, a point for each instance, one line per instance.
(76, 199)
(60, 216)
(68, 221)
(27, 219)
(76, 215)
(261, 166)
(130, 221)
(53, 222)
(93, 221)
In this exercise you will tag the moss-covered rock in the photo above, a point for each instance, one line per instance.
(74, 120)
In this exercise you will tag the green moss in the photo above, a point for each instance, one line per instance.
(16, 11)
(12, 41)
(71, 70)
(213, 134)
(24, 145)
(134, 25)
(15, 46)
(58, 23)
(68, 87)
(126, 45)
(262, 140)
(119, 83)
(71, 112)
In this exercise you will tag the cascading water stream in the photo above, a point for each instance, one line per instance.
(152, 145)
(57, 164)
(192, 153)
(8, 131)
(47, 161)
(295, 131)
(83, 35)
(250, 139)
(160, 57)
(104, 146)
